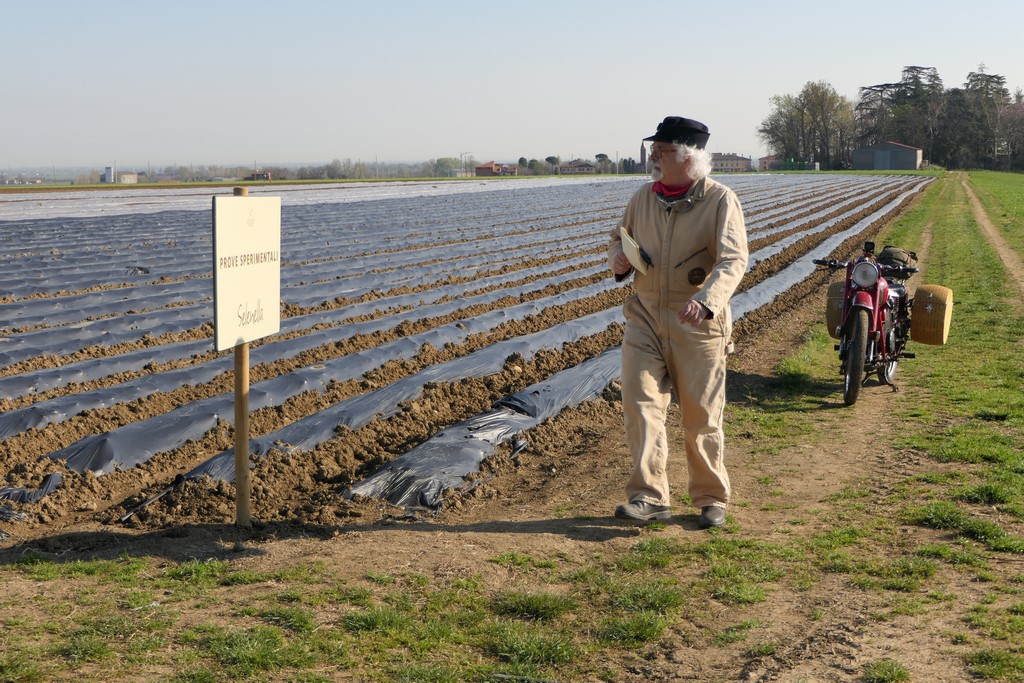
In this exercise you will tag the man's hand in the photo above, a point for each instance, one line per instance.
(621, 266)
(693, 313)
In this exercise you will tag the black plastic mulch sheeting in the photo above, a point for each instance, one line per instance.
(419, 477)
(64, 341)
(358, 411)
(61, 408)
(9, 515)
(136, 442)
(21, 495)
(177, 244)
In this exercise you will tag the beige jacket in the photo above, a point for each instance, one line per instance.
(698, 248)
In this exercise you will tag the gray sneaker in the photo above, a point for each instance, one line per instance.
(711, 516)
(642, 511)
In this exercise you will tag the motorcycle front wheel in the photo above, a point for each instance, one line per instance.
(856, 350)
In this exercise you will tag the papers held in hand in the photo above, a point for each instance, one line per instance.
(638, 258)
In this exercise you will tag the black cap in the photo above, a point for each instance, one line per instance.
(681, 131)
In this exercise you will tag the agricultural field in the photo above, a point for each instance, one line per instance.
(436, 427)
(401, 318)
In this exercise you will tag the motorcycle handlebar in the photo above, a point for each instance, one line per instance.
(905, 271)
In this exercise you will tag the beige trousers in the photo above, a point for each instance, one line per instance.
(661, 357)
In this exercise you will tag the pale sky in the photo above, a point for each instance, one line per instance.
(139, 83)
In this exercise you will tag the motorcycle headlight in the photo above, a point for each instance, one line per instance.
(865, 274)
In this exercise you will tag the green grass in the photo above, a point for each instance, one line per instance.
(655, 596)
(650, 553)
(633, 629)
(532, 606)
(524, 644)
(885, 671)
(244, 652)
(996, 664)
(1001, 195)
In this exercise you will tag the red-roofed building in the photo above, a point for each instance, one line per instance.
(492, 169)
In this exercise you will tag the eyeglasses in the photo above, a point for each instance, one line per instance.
(659, 150)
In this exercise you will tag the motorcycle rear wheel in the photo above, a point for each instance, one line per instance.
(856, 350)
(887, 372)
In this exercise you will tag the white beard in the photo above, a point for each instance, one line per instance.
(656, 174)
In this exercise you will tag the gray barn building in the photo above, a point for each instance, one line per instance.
(887, 156)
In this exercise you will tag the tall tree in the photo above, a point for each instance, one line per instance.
(872, 112)
(782, 131)
(445, 167)
(917, 101)
(815, 125)
(958, 129)
(1014, 133)
(989, 98)
(906, 112)
(827, 112)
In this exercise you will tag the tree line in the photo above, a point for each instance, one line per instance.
(338, 169)
(977, 125)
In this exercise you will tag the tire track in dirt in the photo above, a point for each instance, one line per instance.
(1010, 258)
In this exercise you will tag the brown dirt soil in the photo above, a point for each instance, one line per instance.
(554, 499)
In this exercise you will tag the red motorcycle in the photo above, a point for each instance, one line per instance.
(870, 314)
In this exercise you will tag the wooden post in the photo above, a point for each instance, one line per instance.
(243, 487)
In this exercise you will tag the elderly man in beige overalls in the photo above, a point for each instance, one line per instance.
(688, 243)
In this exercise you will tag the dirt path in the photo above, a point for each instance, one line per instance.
(1007, 255)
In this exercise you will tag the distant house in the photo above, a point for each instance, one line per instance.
(730, 163)
(494, 169)
(577, 167)
(887, 156)
(765, 163)
(113, 176)
(259, 175)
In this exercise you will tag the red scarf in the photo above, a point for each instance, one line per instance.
(670, 191)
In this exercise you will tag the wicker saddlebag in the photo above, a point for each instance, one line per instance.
(931, 314)
(834, 308)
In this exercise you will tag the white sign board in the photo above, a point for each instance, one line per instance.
(246, 269)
